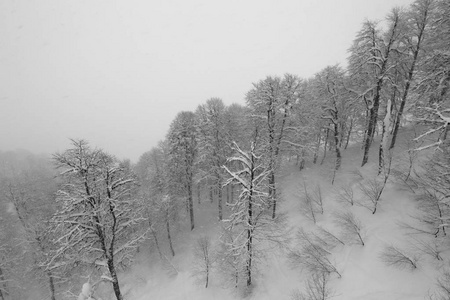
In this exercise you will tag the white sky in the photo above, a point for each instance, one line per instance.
(117, 72)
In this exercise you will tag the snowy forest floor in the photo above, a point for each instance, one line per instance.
(364, 274)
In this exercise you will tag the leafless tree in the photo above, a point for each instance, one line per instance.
(351, 227)
(346, 194)
(203, 259)
(317, 288)
(393, 256)
(312, 255)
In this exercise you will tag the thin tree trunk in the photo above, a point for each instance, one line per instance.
(51, 284)
(384, 136)
(316, 152)
(273, 192)
(232, 193)
(155, 238)
(302, 161)
(227, 190)
(2, 278)
(211, 195)
(349, 133)
(168, 233)
(219, 196)
(338, 152)
(191, 206)
(325, 146)
(199, 188)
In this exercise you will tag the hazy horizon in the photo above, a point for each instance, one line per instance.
(116, 74)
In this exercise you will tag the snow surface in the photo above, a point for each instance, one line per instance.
(364, 275)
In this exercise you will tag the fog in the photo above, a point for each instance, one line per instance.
(117, 72)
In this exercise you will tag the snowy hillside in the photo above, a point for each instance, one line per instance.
(361, 271)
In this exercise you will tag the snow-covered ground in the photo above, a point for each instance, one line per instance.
(364, 274)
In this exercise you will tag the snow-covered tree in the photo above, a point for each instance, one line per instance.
(99, 220)
(417, 21)
(270, 102)
(213, 145)
(182, 149)
(369, 67)
(250, 221)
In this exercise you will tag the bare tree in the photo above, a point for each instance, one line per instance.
(372, 190)
(346, 194)
(393, 256)
(312, 255)
(351, 227)
(203, 259)
(317, 288)
(182, 150)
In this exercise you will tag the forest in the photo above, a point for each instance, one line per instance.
(76, 224)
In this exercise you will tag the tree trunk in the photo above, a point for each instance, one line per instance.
(191, 206)
(199, 188)
(373, 118)
(316, 152)
(155, 238)
(4, 288)
(211, 195)
(115, 281)
(325, 146)
(232, 193)
(384, 137)
(273, 192)
(302, 160)
(219, 197)
(51, 285)
(168, 233)
(349, 133)
(227, 190)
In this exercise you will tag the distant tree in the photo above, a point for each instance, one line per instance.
(27, 186)
(393, 256)
(100, 218)
(213, 145)
(203, 259)
(182, 149)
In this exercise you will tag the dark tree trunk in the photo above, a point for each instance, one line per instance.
(232, 193)
(169, 237)
(302, 160)
(191, 206)
(349, 133)
(316, 152)
(115, 281)
(219, 197)
(4, 288)
(325, 146)
(373, 118)
(211, 195)
(273, 193)
(199, 189)
(51, 285)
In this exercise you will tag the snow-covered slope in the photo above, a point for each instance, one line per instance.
(364, 274)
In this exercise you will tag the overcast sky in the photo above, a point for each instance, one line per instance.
(117, 72)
